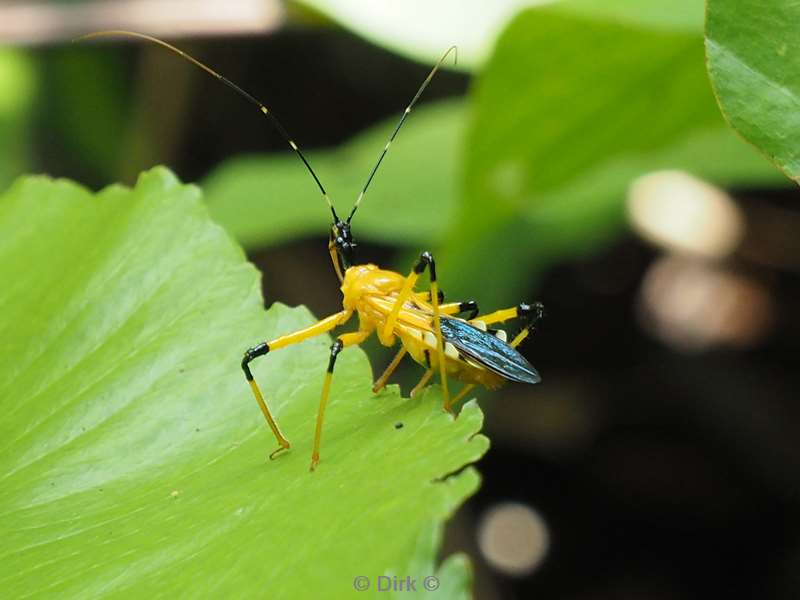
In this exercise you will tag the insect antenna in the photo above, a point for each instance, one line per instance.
(247, 96)
(406, 112)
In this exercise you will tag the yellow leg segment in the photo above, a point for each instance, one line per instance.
(520, 337)
(404, 294)
(422, 382)
(335, 260)
(459, 396)
(314, 330)
(451, 308)
(281, 342)
(283, 443)
(437, 329)
(498, 316)
(425, 261)
(343, 341)
(381, 381)
(530, 312)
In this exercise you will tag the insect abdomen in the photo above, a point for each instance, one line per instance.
(421, 345)
(490, 351)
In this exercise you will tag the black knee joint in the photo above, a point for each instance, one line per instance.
(252, 353)
(533, 313)
(336, 347)
(469, 306)
(426, 259)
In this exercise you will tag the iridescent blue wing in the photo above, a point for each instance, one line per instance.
(491, 352)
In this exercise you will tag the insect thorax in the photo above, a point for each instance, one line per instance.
(368, 280)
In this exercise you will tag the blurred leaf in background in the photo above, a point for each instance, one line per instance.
(86, 108)
(567, 112)
(133, 457)
(753, 49)
(18, 88)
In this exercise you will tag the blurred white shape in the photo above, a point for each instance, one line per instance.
(424, 29)
(694, 305)
(513, 538)
(679, 212)
(40, 22)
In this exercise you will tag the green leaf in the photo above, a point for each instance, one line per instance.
(753, 50)
(560, 129)
(133, 459)
(269, 199)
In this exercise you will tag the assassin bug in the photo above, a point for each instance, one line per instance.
(387, 304)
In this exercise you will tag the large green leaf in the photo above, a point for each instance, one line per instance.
(569, 110)
(133, 460)
(269, 199)
(753, 49)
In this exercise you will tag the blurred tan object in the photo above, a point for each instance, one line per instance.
(513, 538)
(695, 305)
(45, 22)
(678, 212)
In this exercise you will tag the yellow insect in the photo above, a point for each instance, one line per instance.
(388, 305)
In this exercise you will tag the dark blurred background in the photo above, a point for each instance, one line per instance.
(660, 457)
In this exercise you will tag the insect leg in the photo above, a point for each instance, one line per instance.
(425, 260)
(471, 306)
(452, 308)
(422, 383)
(460, 395)
(381, 381)
(335, 259)
(529, 313)
(286, 340)
(404, 294)
(425, 297)
(347, 339)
